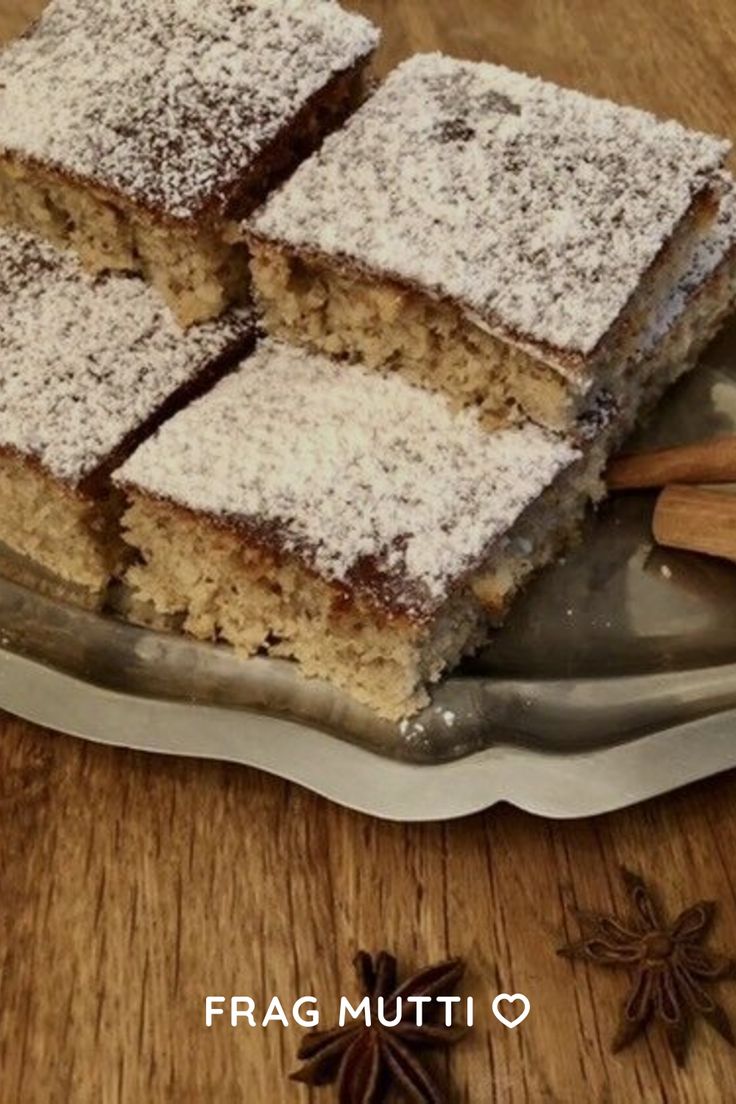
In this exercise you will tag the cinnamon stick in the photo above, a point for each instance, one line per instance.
(696, 520)
(705, 462)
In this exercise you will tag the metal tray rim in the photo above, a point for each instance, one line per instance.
(555, 785)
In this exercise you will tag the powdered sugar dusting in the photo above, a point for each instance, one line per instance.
(84, 362)
(169, 101)
(348, 469)
(537, 208)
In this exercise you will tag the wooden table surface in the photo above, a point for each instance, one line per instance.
(131, 887)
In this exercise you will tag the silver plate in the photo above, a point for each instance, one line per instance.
(614, 680)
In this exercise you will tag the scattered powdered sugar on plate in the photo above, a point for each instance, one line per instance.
(345, 467)
(534, 207)
(84, 361)
(169, 101)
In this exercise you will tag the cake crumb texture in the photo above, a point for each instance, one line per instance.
(229, 589)
(194, 268)
(78, 539)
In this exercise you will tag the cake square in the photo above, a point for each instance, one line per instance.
(677, 335)
(322, 512)
(489, 235)
(138, 131)
(88, 367)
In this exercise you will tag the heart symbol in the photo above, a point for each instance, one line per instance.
(511, 999)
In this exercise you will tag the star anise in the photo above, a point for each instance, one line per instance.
(671, 966)
(366, 1061)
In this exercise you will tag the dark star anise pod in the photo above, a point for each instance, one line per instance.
(367, 1061)
(671, 967)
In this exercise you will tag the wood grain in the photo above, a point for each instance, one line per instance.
(130, 887)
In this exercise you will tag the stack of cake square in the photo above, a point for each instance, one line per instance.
(134, 136)
(472, 290)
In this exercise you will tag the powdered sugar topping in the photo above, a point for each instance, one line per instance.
(169, 101)
(84, 362)
(348, 469)
(537, 208)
